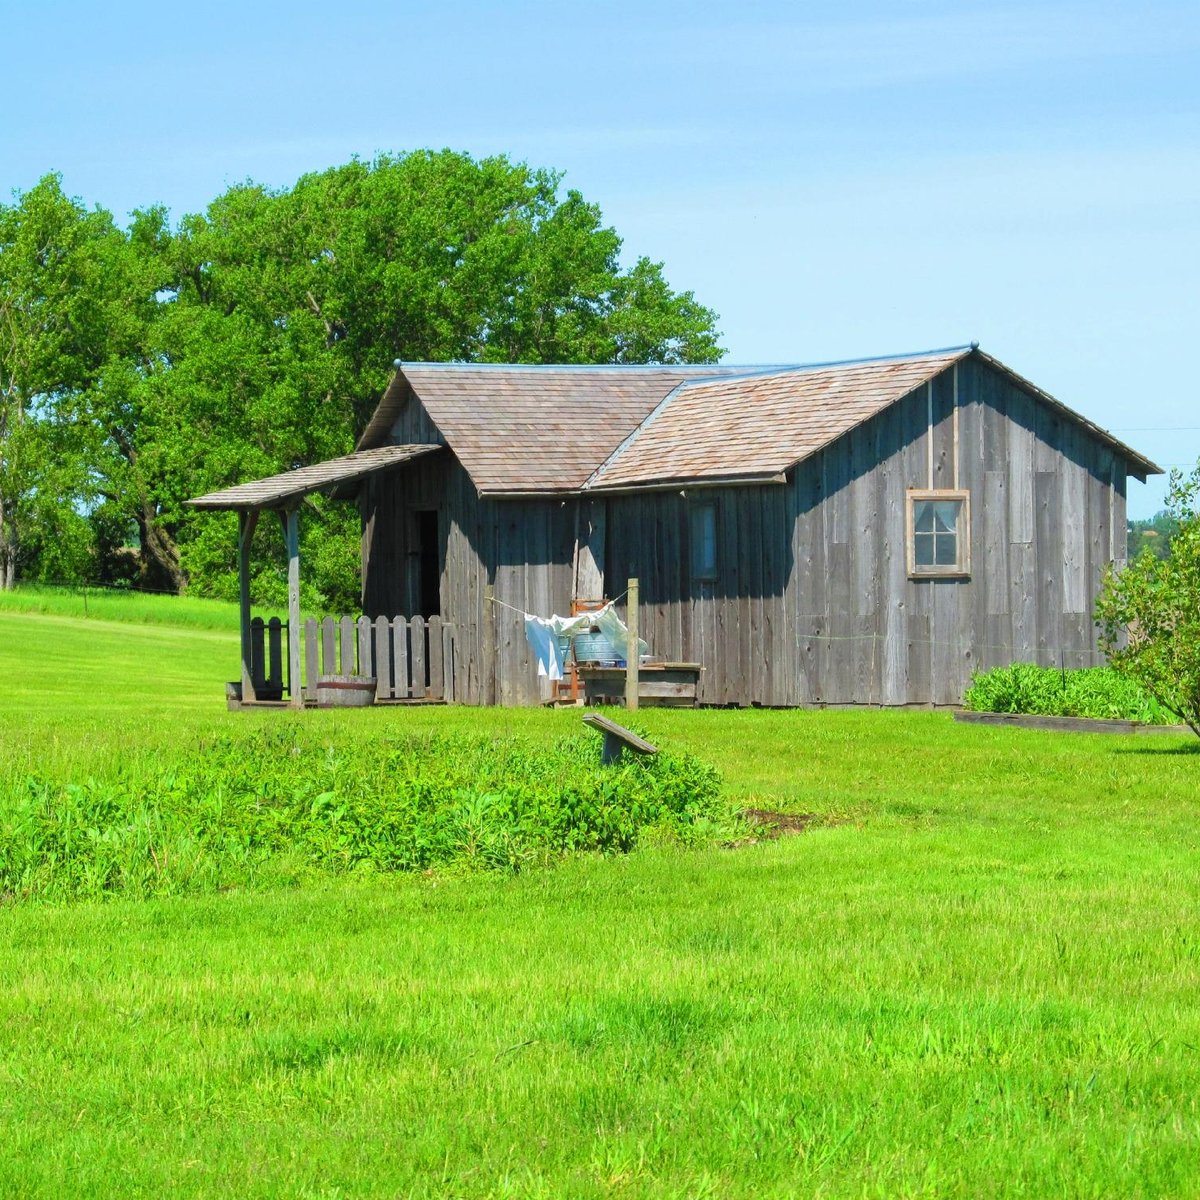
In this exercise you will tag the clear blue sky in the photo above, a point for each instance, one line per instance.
(836, 179)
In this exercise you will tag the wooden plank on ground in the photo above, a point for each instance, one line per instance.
(1065, 724)
(617, 739)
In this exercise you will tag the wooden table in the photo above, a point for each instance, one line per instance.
(660, 685)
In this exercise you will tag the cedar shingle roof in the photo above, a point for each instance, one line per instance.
(276, 490)
(534, 429)
(761, 425)
(527, 428)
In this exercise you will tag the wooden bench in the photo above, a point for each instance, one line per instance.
(617, 739)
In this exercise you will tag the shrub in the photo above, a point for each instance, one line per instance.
(1047, 691)
(261, 806)
(1150, 611)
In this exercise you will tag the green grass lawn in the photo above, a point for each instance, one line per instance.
(90, 602)
(977, 978)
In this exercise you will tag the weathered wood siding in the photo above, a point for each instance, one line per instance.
(812, 603)
(1046, 520)
(524, 548)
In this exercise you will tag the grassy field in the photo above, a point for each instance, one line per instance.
(93, 602)
(977, 977)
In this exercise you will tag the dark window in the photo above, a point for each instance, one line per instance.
(704, 541)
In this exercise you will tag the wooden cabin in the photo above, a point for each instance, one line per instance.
(866, 532)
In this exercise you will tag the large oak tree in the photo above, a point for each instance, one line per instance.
(258, 335)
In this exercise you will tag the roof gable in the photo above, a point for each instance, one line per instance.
(530, 429)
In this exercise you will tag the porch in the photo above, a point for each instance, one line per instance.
(283, 663)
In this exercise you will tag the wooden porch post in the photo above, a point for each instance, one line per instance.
(291, 535)
(632, 657)
(247, 520)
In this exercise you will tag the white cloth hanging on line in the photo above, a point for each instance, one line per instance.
(546, 635)
(547, 649)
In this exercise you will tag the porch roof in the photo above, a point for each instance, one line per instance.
(276, 490)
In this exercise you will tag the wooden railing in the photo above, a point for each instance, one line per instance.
(409, 658)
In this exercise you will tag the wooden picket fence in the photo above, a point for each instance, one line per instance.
(410, 658)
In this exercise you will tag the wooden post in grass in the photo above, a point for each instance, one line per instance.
(291, 534)
(247, 520)
(632, 656)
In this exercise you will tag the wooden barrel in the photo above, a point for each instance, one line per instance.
(345, 691)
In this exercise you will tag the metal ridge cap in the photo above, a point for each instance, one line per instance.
(614, 368)
(797, 368)
(714, 370)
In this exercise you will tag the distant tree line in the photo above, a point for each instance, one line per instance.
(1153, 534)
(145, 364)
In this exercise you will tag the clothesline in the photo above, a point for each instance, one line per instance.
(550, 638)
(505, 604)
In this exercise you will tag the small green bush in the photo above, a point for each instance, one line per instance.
(1047, 691)
(1149, 610)
(277, 802)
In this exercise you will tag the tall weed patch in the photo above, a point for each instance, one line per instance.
(1049, 692)
(272, 804)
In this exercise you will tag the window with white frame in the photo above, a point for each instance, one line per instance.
(939, 533)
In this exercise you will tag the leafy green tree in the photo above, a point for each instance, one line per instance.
(56, 304)
(286, 311)
(1149, 612)
(140, 367)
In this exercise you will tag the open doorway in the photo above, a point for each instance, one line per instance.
(426, 559)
